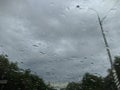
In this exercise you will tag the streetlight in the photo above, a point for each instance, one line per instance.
(115, 76)
(104, 36)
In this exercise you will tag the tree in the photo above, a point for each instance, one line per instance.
(20, 79)
(109, 82)
(89, 82)
(92, 82)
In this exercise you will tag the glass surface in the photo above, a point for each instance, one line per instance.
(61, 40)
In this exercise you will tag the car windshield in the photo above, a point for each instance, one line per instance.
(59, 45)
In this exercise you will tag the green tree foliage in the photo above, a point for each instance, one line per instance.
(19, 79)
(92, 82)
(89, 82)
(109, 82)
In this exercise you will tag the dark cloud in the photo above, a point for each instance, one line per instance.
(57, 40)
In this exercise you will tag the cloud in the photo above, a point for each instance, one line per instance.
(57, 40)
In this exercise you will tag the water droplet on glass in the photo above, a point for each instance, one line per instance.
(35, 45)
(77, 6)
(85, 57)
(81, 61)
(67, 9)
(92, 63)
(51, 3)
(92, 80)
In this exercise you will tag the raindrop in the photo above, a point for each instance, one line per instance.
(85, 57)
(51, 3)
(6, 55)
(35, 45)
(67, 9)
(77, 6)
(42, 53)
(21, 62)
(48, 73)
(93, 80)
(81, 61)
(95, 73)
(92, 63)
(107, 48)
(113, 9)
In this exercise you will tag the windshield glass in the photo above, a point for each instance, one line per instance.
(67, 43)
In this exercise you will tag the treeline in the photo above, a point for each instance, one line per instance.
(19, 79)
(23, 79)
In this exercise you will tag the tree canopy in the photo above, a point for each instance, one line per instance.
(23, 79)
(92, 82)
(19, 79)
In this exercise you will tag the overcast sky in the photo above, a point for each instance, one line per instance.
(57, 40)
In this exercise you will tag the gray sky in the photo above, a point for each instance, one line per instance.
(57, 40)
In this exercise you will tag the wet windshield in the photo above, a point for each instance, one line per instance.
(59, 44)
